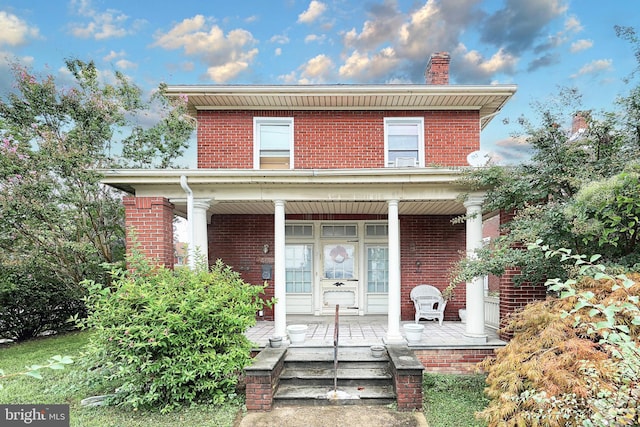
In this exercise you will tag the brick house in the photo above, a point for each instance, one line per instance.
(332, 194)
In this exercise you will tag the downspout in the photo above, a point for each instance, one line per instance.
(190, 227)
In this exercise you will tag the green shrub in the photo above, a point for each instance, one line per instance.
(33, 302)
(575, 359)
(165, 337)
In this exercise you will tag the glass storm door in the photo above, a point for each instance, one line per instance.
(339, 282)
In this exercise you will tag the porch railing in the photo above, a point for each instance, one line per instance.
(492, 312)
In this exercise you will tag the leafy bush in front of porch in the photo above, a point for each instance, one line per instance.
(165, 338)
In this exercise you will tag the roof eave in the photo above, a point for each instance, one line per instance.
(487, 99)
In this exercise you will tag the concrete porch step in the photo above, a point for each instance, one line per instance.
(346, 377)
(326, 354)
(320, 365)
(308, 377)
(324, 395)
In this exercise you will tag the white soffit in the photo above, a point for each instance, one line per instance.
(487, 99)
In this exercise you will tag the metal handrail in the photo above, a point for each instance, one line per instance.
(336, 336)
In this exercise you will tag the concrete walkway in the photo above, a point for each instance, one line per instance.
(332, 416)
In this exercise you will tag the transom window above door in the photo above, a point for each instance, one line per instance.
(404, 141)
(273, 143)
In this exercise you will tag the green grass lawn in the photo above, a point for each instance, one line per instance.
(59, 387)
(452, 400)
(449, 400)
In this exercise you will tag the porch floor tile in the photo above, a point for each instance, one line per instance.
(358, 331)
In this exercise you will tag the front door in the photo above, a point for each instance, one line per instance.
(339, 282)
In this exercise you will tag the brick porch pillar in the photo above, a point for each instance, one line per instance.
(149, 221)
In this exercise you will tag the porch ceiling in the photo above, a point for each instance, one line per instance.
(419, 191)
(320, 207)
(488, 100)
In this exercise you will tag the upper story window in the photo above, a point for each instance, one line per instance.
(273, 143)
(404, 141)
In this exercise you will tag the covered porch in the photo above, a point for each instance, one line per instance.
(241, 216)
(365, 331)
(443, 349)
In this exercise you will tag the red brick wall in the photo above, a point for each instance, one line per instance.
(432, 240)
(436, 244)
(513, 298)
(260, 387)
(408, 387)
(150, 221)
(335, 139)
(452, 361)
(238, 241)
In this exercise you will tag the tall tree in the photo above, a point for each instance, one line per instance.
(55, 138)
(579, 190)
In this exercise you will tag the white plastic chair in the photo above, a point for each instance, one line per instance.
(428, 302)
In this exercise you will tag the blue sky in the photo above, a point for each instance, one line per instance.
(539, 45)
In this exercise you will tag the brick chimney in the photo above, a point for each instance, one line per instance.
(437, 72)
(579, 122)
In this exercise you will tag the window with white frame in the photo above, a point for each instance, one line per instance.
(273, 143)
(299, 268)
(378, 269)
(404, 141)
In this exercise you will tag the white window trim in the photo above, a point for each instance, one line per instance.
(394, 120)
(257, 121)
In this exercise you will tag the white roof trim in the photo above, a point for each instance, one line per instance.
(487, 99)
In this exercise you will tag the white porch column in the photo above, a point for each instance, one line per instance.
(279, 272)
(393, 328)
(475, 288)
(200, 236)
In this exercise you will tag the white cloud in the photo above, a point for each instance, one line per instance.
(361, 66)
(313, 12)
(125, 64)
(498, 62)
(572, 24)
(279, 39)
(511, 150)
(15, 31)
(102, 25)
(278, 51)
(122, 63)
(290, 78)
(582, 44)
(314, 38)
(113, 55)
(225, 56)
(316, 68)
(473, 65)
(355, 65)
(594, 67)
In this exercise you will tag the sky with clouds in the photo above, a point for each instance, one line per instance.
(539, 45)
